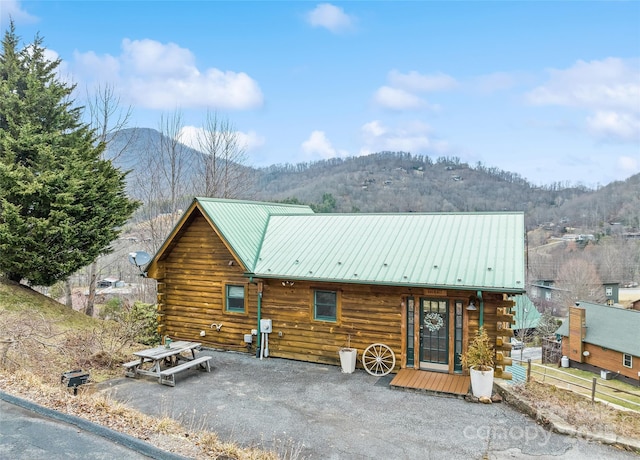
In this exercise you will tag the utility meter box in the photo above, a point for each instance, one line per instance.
(265, 326)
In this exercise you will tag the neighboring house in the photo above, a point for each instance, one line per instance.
(114, 288)
(421, 283)
(546, 289)
(602, 337)
(110, 282)
(526, 314)
(611, 293)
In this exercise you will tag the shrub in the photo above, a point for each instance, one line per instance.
(112, 309)
(480, 353)
(145, 315)
(140, 320)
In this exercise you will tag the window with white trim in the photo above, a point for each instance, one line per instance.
(627, 360)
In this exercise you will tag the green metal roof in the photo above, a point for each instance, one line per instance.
(614, 328)
(242, 223)
(439, 250)
(526, 314)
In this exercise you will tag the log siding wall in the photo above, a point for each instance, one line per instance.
(191, 298)
(191, 289)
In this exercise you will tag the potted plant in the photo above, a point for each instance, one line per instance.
(348, 357)
(479, 360)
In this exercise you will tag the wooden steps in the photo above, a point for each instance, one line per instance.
(437, 382)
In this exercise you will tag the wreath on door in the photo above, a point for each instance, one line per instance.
(433, 321)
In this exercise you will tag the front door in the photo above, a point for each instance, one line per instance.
(434, 334)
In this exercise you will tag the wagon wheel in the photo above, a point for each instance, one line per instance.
(378, 359)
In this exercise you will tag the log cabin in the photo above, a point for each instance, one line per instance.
(420, 283)
(599, 337)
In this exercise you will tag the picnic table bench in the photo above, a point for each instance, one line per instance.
(167, 376)
(171, 355)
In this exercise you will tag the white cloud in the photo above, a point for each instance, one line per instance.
(611, 83)
(319, 146)
(373, 129)
(89, 64)
(397, 99)
(188, 135)
(414, 81)
(403, 91)
(497, 81)
(11, 9)
(413, 137)
(330, 17)
(629, 165)
(150, 57)
(614, 126)
(609, 90)
(248, 141)
(164, 76)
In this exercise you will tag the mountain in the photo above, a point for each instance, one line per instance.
(401, 182)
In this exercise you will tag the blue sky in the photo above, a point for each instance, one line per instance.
(549, 90)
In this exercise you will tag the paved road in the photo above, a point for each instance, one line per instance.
(31, 432)
(526, 353)
(316, 412)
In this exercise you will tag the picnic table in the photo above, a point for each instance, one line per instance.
(165, 361)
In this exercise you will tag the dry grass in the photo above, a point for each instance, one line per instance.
(614, 391)
(579, 411)
(47, 339)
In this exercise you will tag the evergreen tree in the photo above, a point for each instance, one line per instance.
(61, 204)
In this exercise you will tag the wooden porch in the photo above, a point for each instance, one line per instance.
(437, 382)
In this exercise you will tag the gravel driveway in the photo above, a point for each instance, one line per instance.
(314, 411)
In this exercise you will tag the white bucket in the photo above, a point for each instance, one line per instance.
(564, 361)
(348, 359)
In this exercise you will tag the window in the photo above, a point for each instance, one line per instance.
(627, 360)
(325, 305)
(235, 298)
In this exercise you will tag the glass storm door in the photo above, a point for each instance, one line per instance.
(434, 334)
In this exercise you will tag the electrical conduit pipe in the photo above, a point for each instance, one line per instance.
(258, 341)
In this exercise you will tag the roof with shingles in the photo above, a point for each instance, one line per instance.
(440, 250)
(610, 327)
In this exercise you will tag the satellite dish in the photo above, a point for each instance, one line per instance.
(139, 258)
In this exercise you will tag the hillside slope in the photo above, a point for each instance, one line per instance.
(401, 182)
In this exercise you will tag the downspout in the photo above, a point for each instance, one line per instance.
(259, 318)
(481, 319)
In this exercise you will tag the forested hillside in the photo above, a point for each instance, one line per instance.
(399, 182)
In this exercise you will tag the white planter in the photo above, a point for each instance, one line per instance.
(481, 383)
(348, 359)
